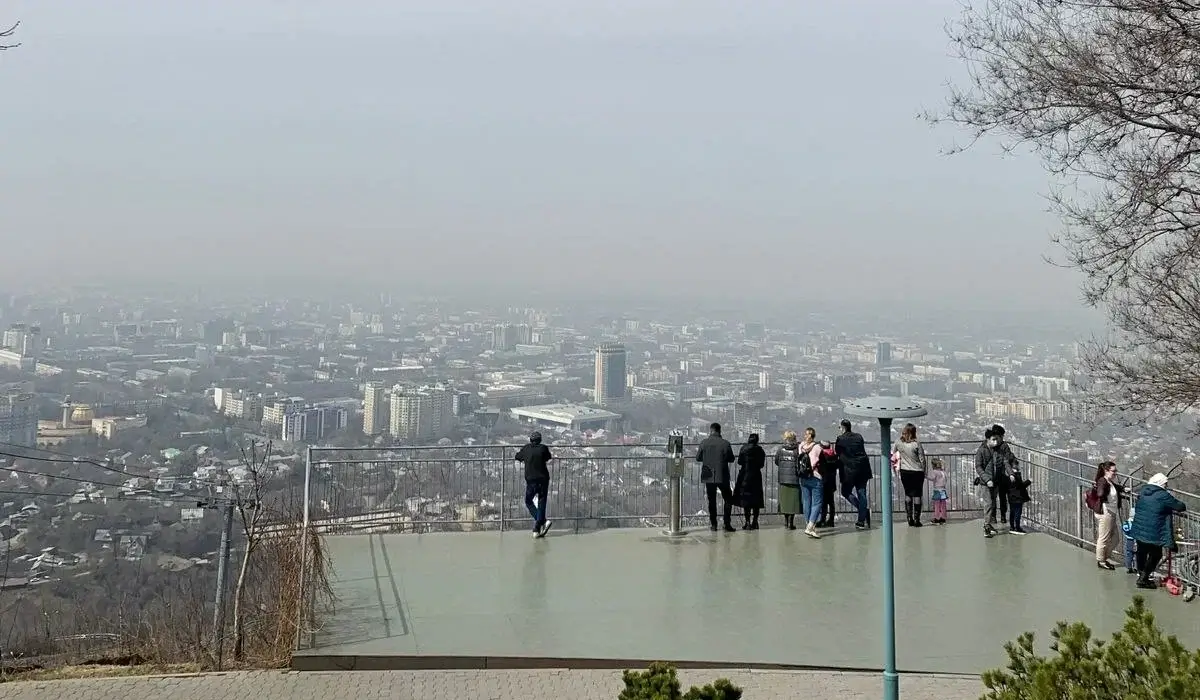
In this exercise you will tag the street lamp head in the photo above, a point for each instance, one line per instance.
(886, 407)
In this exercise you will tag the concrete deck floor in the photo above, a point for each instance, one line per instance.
(772, 598)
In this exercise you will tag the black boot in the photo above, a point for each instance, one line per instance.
(754, 519)
(916, 512)
(729, 518)
(712, 523)
(908, 510)
(789, 521)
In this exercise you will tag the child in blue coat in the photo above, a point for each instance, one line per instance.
(1130, 544)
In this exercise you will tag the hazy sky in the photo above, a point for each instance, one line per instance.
(707, 147)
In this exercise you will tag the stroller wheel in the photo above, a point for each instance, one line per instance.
(1190, 594)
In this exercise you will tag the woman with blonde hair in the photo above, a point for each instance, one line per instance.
(787, 463)
(811, 487)
(912, 464)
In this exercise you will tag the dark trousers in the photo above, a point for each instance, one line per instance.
(726, 499)
(828, 494)
(989, 515)
(1148, 556)
(537, 489)
(855, 492)
(1014, 515)
(1002, 484)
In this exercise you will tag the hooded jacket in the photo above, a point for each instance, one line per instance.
(1152, 517)
(993, 463)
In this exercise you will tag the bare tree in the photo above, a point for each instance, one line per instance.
(248, 501)
(1107, 93)
(6, 34)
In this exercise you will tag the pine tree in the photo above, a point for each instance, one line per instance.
(1138, 663)
(661, 682)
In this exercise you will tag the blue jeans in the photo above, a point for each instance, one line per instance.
(856, 496)
(810, 498)
(1130, 552)
(1014, 515)
(537, 488)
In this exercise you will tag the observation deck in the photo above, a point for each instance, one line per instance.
(434, 568)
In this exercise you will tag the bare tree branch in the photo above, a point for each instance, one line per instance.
(6, 34)
(248, 501)
(1107, 93)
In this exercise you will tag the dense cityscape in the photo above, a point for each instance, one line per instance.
(121, 417)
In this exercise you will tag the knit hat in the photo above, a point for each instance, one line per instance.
(1159, 480)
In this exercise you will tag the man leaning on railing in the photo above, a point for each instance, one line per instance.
(536, 458)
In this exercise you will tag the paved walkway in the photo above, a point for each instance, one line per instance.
(472, 685)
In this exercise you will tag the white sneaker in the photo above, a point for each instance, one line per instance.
(811, 531)
(545, 528)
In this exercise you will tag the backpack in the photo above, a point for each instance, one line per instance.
(828, 463)
(804, 466)
(1092, 498)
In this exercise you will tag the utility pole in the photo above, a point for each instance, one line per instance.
(218, 627)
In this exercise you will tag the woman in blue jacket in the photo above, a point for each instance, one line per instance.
(1152, 527)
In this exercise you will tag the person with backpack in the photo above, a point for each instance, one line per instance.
(536, 458)
(787, 466)
(811, 489)
(1104, 500)
(827, 467)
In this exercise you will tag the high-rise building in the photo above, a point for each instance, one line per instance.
(275, 412)
(883, 353)
(610, 373)
(18, 419)
(313, 424)
(375, 415)
(421, 414)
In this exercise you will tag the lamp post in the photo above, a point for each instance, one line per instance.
(885, 409)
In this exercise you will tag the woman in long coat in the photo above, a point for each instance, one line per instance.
(787, 459)
(748, 490)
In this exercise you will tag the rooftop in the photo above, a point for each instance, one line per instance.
(565, 412)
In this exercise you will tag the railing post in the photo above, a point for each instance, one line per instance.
(675, 469)
(503, 502)
(1079, 512)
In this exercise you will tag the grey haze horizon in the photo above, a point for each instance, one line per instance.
(636, 149)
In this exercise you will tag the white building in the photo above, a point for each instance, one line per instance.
(564, 415)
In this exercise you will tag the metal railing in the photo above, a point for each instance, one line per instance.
(1059, 507)
(475, 488)
(426, 489)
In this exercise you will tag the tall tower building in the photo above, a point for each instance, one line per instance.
(375, 415)
(18, 419)
(610, 373)
(883, 353)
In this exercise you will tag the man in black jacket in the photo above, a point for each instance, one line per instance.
(536, 458)
(856, 472)
(715, 455)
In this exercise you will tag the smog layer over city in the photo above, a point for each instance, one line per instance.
(320, 269)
